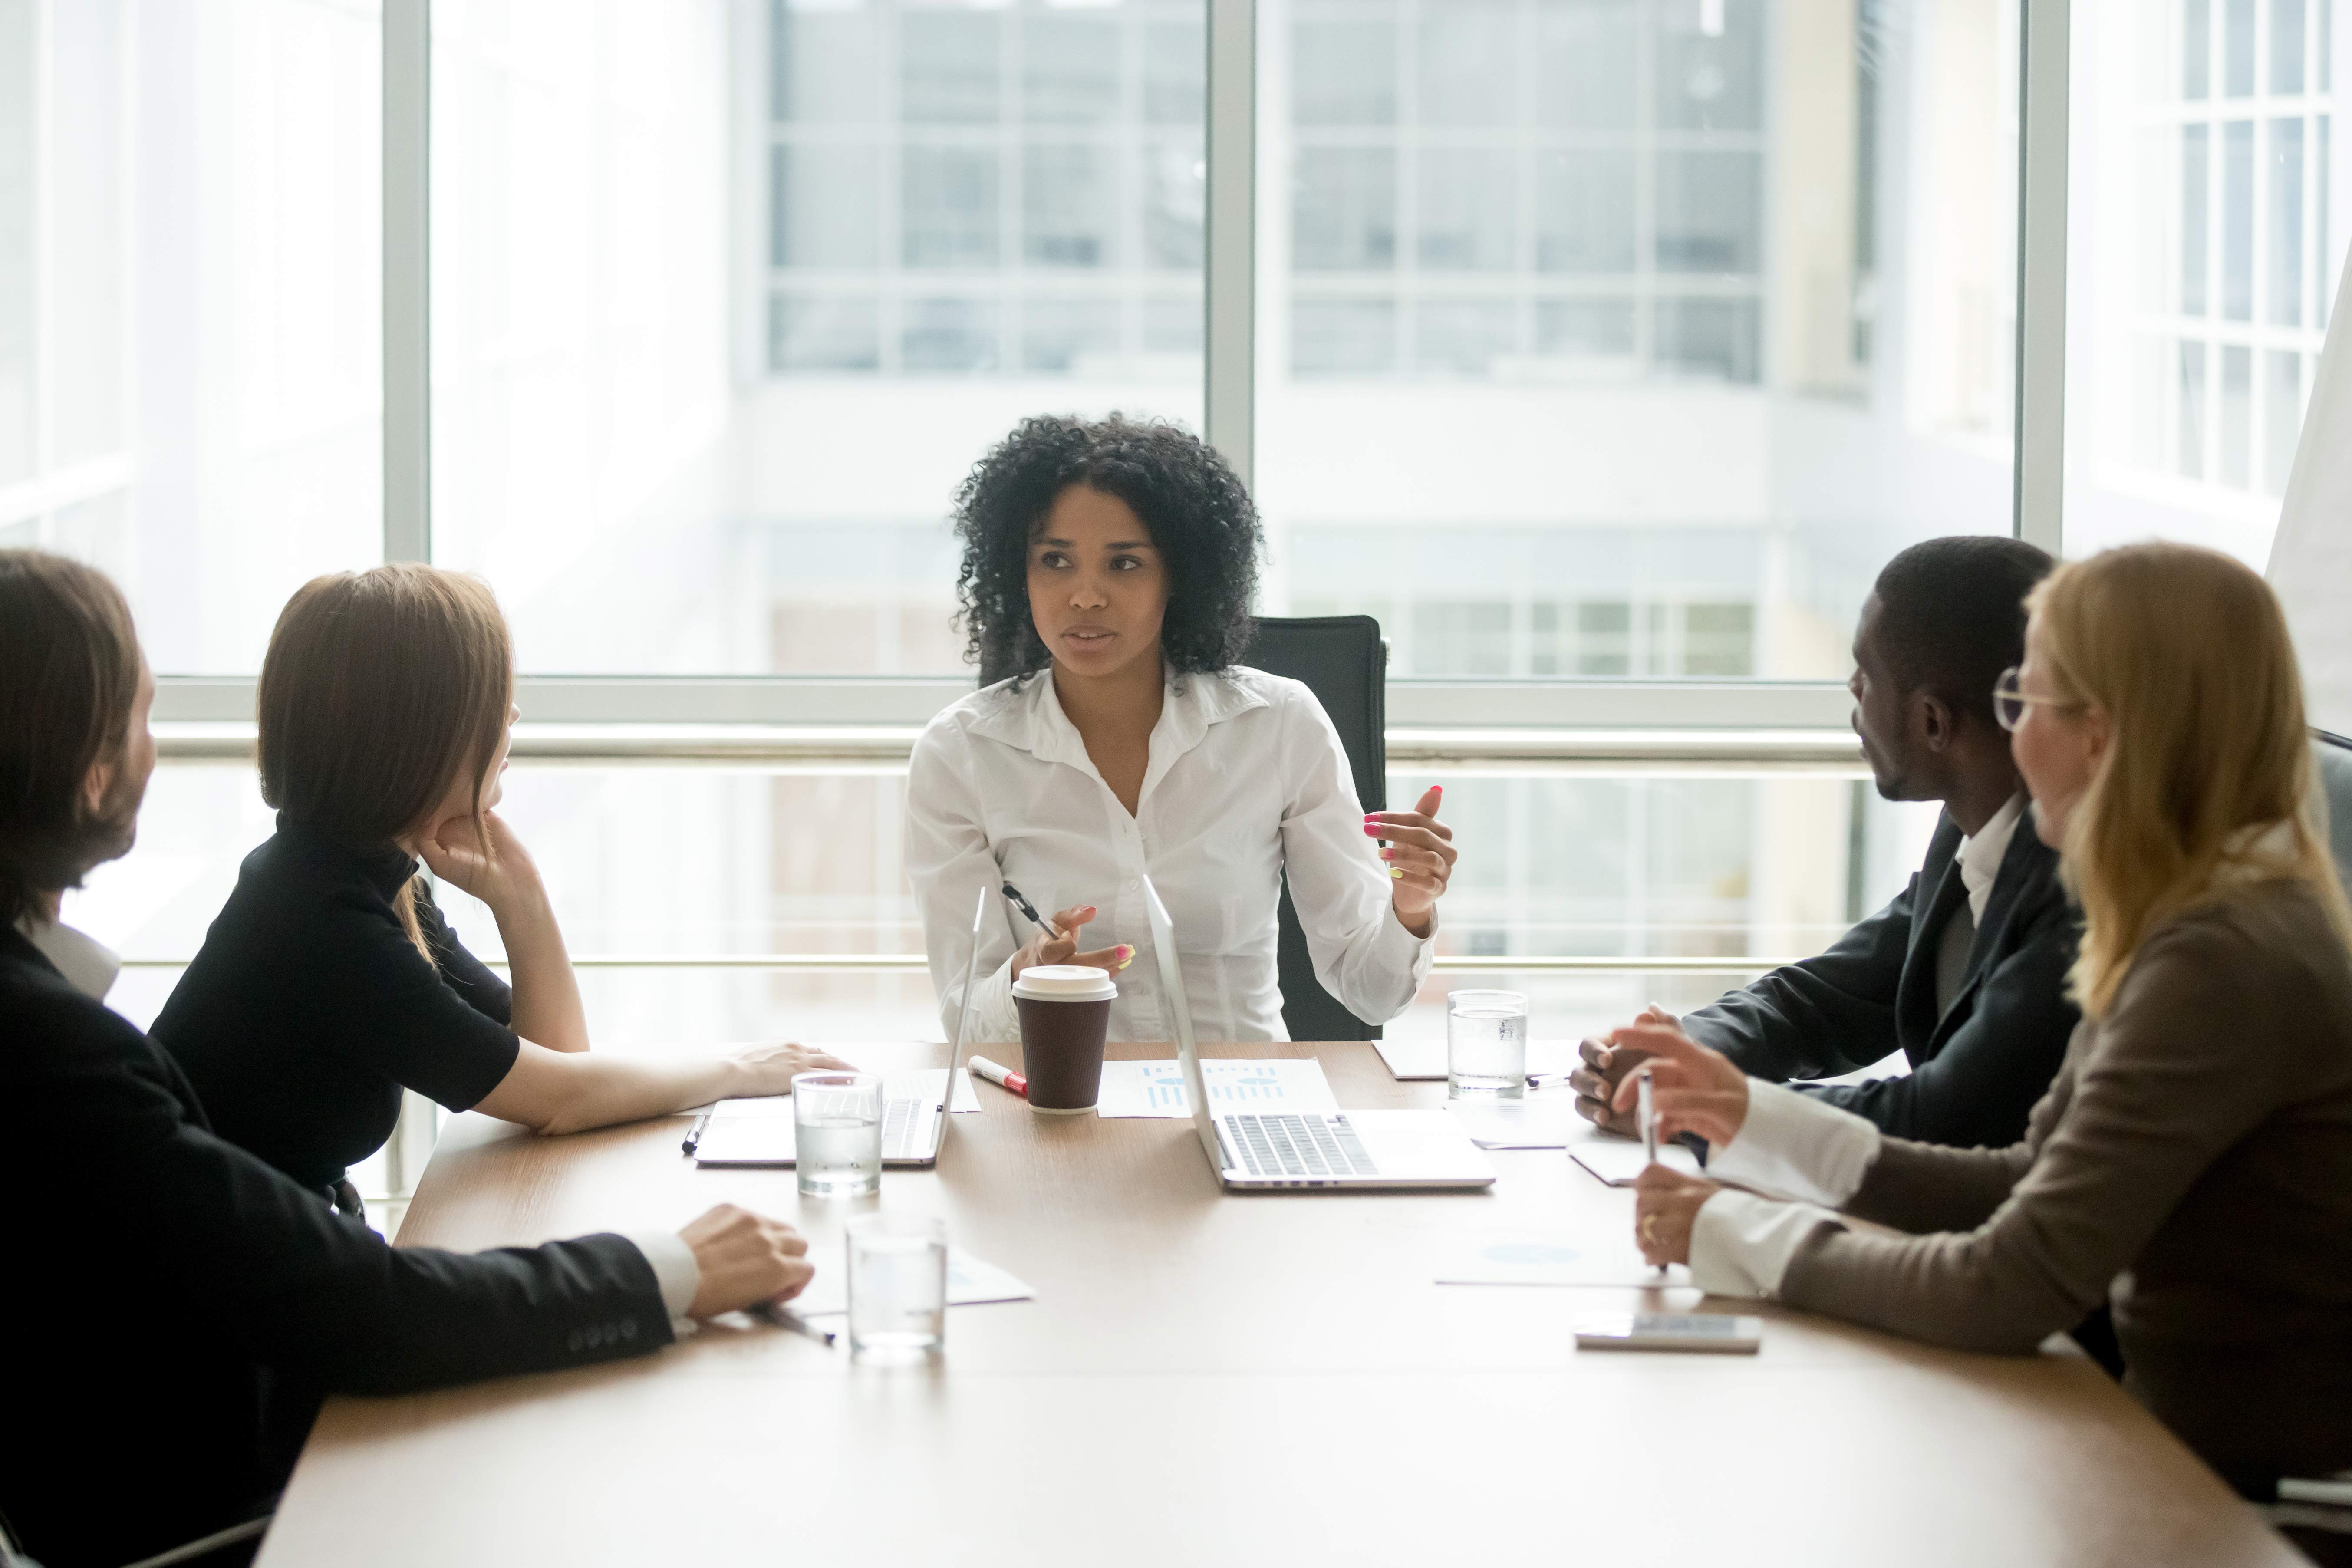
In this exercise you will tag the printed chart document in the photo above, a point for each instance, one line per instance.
(1423, 1061)
(970, 1282)
(1617, 1161)
(1536, 1257)
(1540, 1121)
(1157, 1088)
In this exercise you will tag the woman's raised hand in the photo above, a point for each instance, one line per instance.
(498, 872)
(1046, 948)
(1419, 857)
(1694, 1090)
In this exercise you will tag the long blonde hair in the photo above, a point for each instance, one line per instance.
(2187, 653)
(381, 690)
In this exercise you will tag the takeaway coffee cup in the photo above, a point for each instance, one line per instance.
(1065, 1009)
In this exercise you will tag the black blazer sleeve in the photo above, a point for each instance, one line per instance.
(1979, 1088)
(1824, 1016)
(173, 1214)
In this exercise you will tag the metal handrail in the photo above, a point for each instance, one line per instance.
(833, 748)
(1562, 963)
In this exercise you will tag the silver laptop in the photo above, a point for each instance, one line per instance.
(915, 1103)
(1267, 1150)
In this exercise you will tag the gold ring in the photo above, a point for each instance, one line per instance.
(1650, 1228)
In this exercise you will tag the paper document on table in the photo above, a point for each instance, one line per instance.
(1542, 1122)
(1617, 1161)
(1536, 1257)
(1423, 1061)
(970, 1282)
(1157, 1088)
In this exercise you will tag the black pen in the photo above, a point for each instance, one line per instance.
(1026, 908)
(694, 1134)
(785, 1317)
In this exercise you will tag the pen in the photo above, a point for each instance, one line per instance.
(1026, 908)
(694, 1134)
(1649, 1116)
(785, 1317)
(1003, 1077)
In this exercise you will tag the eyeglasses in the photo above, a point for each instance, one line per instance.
(2010, 700)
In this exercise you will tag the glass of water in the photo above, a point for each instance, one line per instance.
(838, 1134)
(898, 1287)
(1486, 1045)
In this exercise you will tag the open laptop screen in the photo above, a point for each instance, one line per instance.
(1171, 987)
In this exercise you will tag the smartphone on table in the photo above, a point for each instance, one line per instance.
(1713, 1331)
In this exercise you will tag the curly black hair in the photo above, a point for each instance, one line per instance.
(1199, 515)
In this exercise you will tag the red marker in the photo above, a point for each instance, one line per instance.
(1003, 1077)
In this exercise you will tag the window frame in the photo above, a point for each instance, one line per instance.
(1562, 722)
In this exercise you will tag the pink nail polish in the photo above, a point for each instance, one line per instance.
(1371, 830)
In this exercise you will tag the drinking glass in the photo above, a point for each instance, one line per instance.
(838, 1134)
(898, 1287)
(1486, 1045)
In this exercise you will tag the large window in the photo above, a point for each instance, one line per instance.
(190, 310)
(727, 300)
(2206, 241)
(1626, 338)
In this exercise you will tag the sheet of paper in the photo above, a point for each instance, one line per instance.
(1535, 1257)
(1423, 1061)
(1543, 1121)
(970, 1282)
(1157, 1088)
(1617, 1161)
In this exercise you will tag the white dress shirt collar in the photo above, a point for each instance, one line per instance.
(1982, 853)
(1027, 713)
(88, 965)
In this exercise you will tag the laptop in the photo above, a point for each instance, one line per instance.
(915, 1103)
(1276, 1151)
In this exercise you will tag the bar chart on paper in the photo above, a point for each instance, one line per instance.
(1157, 1088)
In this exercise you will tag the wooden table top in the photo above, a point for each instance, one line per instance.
(1202, 1376)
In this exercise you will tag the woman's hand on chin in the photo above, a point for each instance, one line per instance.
(500, 873)
(1419, 857)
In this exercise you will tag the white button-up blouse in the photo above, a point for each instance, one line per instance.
(1246, 777)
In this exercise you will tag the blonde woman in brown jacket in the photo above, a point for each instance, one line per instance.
(2192, 1163)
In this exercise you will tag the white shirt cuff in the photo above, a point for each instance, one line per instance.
(1400, 950)
(1796, 1146)
(674, 1269)
(994, 1021)
(1740, 1243)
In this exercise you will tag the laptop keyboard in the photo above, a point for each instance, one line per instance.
(1294, 1145)
(906, 1115)
(898, 1126)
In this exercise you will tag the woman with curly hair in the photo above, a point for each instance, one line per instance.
(1109, 567)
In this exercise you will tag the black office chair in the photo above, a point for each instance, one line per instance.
(1343, 660)
(2333, 754)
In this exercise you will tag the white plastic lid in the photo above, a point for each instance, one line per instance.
(1065, 983)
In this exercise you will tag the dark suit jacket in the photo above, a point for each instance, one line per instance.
(174, 1309)
(1977, 1070)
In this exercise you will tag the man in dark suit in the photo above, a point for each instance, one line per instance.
(1965, 972)
(174, 1307)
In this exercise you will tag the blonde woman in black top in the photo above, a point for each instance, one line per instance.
(329, 981)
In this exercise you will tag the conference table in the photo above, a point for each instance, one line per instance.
(1204, 1377)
